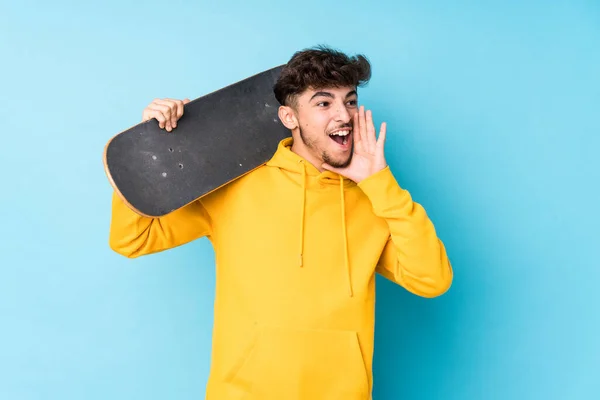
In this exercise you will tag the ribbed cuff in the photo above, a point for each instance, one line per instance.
(384, 191)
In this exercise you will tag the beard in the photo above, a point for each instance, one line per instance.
(312, 144)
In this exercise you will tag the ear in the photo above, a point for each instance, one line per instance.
(288, 117)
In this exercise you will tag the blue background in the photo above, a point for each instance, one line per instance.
(493, 125)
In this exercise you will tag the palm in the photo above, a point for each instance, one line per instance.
(368, 157)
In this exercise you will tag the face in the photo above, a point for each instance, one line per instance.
(321, 125)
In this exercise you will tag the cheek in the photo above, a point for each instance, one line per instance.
(352, 113)
(321, 123)
(315, 123)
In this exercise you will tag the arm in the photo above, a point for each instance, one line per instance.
(414, 257)
(133, 235)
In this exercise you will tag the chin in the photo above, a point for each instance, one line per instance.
(338, 162)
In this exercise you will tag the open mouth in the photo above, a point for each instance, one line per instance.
(341, 136)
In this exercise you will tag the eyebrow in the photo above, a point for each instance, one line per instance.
(327, 94)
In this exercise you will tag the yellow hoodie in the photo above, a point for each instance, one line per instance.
(296, 251)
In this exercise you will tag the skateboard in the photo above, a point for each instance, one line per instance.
(221, 136)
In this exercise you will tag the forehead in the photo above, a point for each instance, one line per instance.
(332, 92)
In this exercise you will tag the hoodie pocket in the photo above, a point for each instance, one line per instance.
(301, 364)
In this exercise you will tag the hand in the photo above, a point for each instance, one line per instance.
(166, 111)
(368, 157)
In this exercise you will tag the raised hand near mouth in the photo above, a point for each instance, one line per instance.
(368, 157)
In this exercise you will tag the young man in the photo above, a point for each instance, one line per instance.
(298, 242)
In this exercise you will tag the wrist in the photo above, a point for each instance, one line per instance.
(371, 173)
(382, 188)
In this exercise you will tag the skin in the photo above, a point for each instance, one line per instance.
(166, 111)
(311, 118)
(315, 114)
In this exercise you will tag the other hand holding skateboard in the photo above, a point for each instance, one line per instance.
(166, 111)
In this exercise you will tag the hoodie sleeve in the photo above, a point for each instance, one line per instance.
(133, 235)
(414, 257)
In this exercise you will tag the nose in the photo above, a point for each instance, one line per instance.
(342, 114)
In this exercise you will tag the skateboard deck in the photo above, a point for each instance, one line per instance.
(220, 137)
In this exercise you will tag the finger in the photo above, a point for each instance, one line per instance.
(356, 133)
(381, 139)
(179, 108)
(177, 111)
(183, 103)
(146, 114)
(172, 109)
(363, 129)
(150, 112)
(158, 115)
(372, 139)
(164, 108)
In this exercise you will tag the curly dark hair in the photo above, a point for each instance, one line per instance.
(317, 68)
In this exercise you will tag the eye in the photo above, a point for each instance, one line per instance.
(323, 104)
(352, 103)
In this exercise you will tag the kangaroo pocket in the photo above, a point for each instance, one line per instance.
(302, 364)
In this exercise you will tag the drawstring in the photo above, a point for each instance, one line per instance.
(344, 236)
(301, 253)
(346, 263)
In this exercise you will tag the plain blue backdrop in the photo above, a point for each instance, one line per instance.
(493, 115)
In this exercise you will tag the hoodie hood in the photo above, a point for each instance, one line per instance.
(301, 171)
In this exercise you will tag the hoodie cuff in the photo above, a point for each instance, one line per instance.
(384, 192)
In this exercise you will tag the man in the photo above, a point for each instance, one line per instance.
(298, 241)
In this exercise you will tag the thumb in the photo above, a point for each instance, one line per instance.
(329, 167)
(186, 100)
(339, 171)
(345, 172)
